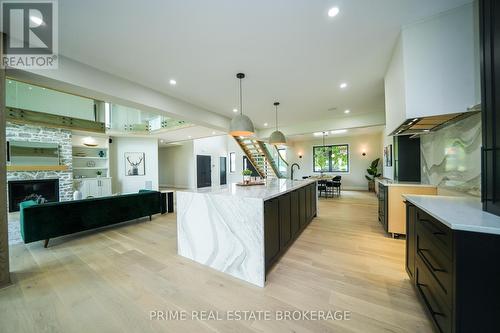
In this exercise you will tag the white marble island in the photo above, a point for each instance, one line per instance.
(241, 231)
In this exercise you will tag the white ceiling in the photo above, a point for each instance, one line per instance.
(291, 51)
(350, 132)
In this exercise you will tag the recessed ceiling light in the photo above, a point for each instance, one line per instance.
(10, 81)
(30, 88)
(347, 111)
(189, 136)
(343, 85)
(172, 82)
(318, 134)
(213, 133)
(162, 141)
(235, 110)
(266, 124)
(338, 131)
(334, 11)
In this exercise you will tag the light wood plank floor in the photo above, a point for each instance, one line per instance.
(110, 280)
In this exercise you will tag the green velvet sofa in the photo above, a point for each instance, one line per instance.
(49, 220)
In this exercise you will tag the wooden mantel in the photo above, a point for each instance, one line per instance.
(37, 168)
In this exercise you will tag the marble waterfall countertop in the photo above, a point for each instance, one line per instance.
(458, 213)
(223, 227)
(271, 189)
(390, 182)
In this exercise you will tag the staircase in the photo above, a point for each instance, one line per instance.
(259, 154)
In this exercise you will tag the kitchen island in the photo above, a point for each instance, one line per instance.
(243, 230)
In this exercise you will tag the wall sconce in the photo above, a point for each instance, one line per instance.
(300, 155)
(364, 152)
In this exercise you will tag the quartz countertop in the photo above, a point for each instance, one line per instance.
(458, 213)
(390, 182)
(271, 189)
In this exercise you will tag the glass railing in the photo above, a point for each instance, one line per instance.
(125, 119)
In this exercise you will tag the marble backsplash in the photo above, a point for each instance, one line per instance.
(451, 157)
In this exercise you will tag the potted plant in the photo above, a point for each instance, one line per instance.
(246, 176)
(99, 173)
(372, 174)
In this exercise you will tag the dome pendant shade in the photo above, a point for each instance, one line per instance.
(241, 125)
(277, 138)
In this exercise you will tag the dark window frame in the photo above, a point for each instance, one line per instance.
(330, 158)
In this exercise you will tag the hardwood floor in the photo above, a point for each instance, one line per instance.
(110, 280)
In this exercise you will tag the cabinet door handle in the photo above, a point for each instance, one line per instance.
(429, 306)
(428, 262)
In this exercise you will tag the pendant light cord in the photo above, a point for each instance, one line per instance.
(276, 117)
(241, 100)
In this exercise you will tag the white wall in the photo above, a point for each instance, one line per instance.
(129, 184)
(355, 178)
(214, 147)
(176, 165)
(233, 147)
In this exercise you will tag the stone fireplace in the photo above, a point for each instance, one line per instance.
(62, 137)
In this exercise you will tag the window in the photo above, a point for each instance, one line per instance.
(232, 162)
(334, 158)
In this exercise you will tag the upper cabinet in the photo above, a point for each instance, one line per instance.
(434, 68)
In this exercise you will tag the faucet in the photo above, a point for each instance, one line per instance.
(291, 169)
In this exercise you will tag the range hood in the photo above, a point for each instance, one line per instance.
(424, 125)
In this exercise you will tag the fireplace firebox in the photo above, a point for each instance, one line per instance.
(46, 190)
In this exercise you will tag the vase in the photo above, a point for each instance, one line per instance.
(77, 195)
(246, 179)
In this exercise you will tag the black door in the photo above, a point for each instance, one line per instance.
(411, 237)
(285, 226)
(203, 171)
(271, 231)
(223, 170)
(302, 207)
(294, 213)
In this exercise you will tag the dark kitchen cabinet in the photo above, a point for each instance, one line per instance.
(489, 17)
(411, 236)
(285, 217)
(383, 206)
(294, 213)
(312, 198)
(285, 221)
(271, 230)
(302, 207)
(454, 273)
(308, 203)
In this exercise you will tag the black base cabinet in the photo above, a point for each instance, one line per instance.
(383, 203)
(284, 219)
(455, 273)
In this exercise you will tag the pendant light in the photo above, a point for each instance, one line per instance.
(277, 138)
(241, 125)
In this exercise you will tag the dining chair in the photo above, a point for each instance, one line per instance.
(329, 188)
(321, 187)
(337, 183)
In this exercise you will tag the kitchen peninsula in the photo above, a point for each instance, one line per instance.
(243, 230)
